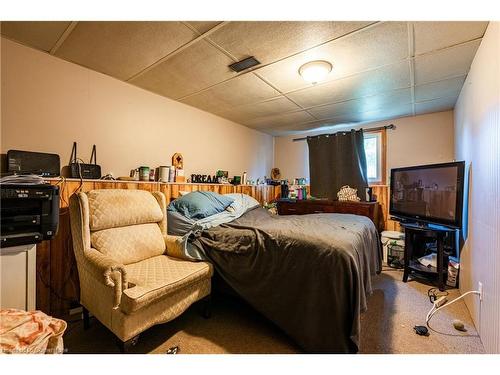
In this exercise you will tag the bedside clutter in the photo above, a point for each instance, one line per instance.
(371, 210)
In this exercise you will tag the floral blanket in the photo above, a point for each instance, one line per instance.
(30, 332)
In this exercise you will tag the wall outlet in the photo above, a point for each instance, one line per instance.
(480, 289)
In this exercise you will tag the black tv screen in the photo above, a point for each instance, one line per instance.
(428, 193)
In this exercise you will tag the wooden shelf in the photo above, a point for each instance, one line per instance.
(417, 266)
(57, 179)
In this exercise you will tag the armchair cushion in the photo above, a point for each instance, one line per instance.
(157, 277)
(110, 208)
(129, 244)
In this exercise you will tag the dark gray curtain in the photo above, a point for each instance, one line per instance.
(336, 160)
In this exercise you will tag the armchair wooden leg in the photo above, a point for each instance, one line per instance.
(86, 318)
(207, 307)
(125, 346)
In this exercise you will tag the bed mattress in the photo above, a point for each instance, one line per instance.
(309, 274)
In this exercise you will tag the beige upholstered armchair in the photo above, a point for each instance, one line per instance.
(128, 281)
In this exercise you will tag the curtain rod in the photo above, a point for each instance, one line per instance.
(391, 126)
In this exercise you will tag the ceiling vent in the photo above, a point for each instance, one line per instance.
(249, 62)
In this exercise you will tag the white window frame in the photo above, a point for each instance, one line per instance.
(379, 136)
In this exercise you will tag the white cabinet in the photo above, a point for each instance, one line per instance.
(18, 277)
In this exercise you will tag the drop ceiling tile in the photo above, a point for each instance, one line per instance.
(243, 89)
(267, 108)
(381, 80)
(270, 41)
(440, 89)
(122, 49)
(320, 124)
(279, 133)
(446, 63)
(290, 118)
(394, 110)
(351, 119)
(388, 113)
(203, 26)
(38, 34)
(378, 45)
(430, 36)
(437, 105)
(197, 67)
(369, 103)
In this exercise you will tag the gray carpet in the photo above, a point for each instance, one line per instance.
(396, 307)
(387, 327)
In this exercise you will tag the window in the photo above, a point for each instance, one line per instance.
(375, 156)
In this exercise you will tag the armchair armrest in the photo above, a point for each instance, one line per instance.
(175, 246)
(104, 268)
(178, 247)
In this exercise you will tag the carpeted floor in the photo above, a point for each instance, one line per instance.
(396, 307)
(387, 327)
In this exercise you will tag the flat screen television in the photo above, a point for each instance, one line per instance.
(428, 193)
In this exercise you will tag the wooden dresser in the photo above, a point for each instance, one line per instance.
(371, 210)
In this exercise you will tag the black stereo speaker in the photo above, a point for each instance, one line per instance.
(27, 162)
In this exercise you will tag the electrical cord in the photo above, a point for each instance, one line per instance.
(434, 294)
(62, 184)
(52, 291)
(79, 163)
(434, 310)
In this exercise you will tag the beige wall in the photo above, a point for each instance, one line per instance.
(477, 140)
(48, 103)
(416, 140)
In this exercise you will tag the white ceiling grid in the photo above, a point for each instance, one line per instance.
(380, 69)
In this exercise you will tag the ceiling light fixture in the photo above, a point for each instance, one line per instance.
(315, 71)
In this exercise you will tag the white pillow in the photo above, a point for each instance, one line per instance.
(242, 202)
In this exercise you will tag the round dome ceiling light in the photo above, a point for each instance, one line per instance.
(315, 71)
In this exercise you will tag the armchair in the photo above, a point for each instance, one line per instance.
(128, 279)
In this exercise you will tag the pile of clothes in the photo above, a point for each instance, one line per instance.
(30, 332)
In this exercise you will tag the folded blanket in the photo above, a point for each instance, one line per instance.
(30, 332)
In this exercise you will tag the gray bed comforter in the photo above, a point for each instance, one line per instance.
(308, 274)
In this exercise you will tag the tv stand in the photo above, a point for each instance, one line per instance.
(415, 234)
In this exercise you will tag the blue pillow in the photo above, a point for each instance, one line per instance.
(200, 204)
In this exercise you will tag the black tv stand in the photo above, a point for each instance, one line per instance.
(415, 234)
(419, 224)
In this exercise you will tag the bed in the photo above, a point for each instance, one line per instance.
(309, 274)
